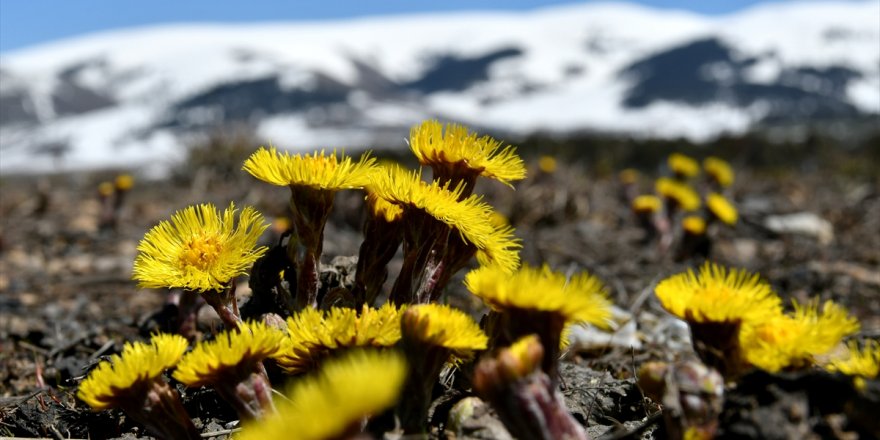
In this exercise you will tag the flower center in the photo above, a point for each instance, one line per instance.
(200, 252)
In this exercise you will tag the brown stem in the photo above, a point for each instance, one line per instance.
(222, 302)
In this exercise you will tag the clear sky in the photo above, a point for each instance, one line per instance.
(28, 22)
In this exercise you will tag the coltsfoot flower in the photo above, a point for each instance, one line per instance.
(863, 364)
(318, 170)
(232, 365)
(721, 208)
(132, 381)
(683, 166)
(458, 156)
(432, 335)
(334, 402)
(199, 249)
(313, 181)
(716, 302)
(315, 334)
(679, 194)
(582, 298)
(538, 300)
(433, 215)
(794, 340)
(719, 171)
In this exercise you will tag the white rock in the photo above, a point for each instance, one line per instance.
(803, 223)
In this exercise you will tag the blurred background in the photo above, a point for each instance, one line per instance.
(93, 85)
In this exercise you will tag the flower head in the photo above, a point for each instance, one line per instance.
(580, 299)
(792, 340)
(694, 225)
(199, 249)
(443, 326)
(682, 194)
(721, 208)
(317, 171)
(470, 217)
(864, 363)
(647, 203)
(719, 170)
(457, 147)
(120, 378)
(718, 294)
(334, 401)
(683, 165)
(233, 353)
(313, 334)
(123, 182)
(629, 176)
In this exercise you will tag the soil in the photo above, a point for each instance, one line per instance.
(67, 300)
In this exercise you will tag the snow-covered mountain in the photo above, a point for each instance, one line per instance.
(125, 97)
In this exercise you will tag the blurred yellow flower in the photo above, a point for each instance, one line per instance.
(199, 249)
(647, 203)
(333, 402)
(718, 294)
(682, 194)
(694, 225)
(721, 208)
(124, 375)
(230, 353)
(683, 165)
(792, 340)
(457, 147)
(580, 299)
(719, 170)
(312, 334)
(124, 182)
(863, 364)
(436, 325)
(317, 171)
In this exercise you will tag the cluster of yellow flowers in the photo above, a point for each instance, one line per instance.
(738, 323)
(678, 202)
(358, 360)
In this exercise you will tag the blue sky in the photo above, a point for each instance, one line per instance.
(28, 22)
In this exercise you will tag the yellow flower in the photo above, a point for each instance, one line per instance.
(718, 294)
(230, 353)
(199, 249)
(471, 217)
(312, 334)
(456, 146)
(105, 189)
(784, 340)
(527, 352)
(721, 208)
(124, 182)
(682, 194)
(123, 377)
(683, 165)
(317, 171)
(381, 208)
(547, 164)
(864, 363)
(334, 401)
(647, 203)
(436, 325)
(629, 176)
(501, 248)
(581, 299)
(719, 170)
(694, 225)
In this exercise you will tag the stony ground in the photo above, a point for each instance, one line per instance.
(67, 301)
